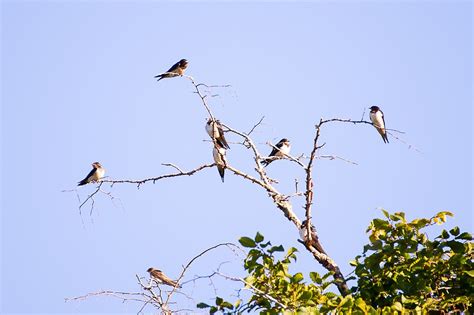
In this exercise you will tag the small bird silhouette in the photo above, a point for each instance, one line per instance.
(219, 157)
(160, 277)
(377, 118)
(215, 131)
(281, 148)
(94, 175)
(176, 70)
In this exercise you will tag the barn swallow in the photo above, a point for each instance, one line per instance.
(160, 277)
(219, 157)
(376, 116)
(94, 175)
(215, 131)
(280, 149)
(314, 237)
(177, 69)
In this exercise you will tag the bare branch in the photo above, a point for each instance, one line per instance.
(256, 291)
(255, 126)
(140, 182)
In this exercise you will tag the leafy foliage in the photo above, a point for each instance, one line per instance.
(402, 266)
(400, 270)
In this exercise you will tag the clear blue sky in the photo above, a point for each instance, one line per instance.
(78, 87)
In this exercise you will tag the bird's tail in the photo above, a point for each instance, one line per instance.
(159, 77)
(82, 182)
(385, 138)
(265, 162)
(221, 173)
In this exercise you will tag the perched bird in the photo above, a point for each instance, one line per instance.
(219, 157)
(215, 131)
(177, 69)
(280, 149)
(95, 175)
(376, 116)
(314, 237)
(160, 277)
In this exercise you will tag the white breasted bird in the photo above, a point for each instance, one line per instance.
(215, 131)
(94, 175)
(280, 149)
(377, 118)
(314, 237)
(219, 157)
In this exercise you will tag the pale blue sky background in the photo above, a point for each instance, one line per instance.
(78, 87)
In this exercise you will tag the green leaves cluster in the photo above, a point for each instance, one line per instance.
(400, 270)
(401, 266)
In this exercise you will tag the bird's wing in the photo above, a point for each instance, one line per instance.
(174, 67)
(221, 136)
(92, 172)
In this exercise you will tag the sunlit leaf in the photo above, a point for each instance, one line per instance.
(247, 242)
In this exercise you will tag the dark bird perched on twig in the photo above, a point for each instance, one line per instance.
(314, 237)
(176, 70)
(377, 118)
(160, 277)
(215, 131)
(94, 175)
(280, 149)
(219, 157)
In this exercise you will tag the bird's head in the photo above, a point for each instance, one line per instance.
(285, 141)
(149, 269)
(183, 63)
(374, 109)
(96, 165)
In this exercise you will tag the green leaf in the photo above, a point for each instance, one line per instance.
(227, 305)
(353, 263)
(360, 304)
(464, 236)
(247, 242)
(297, 277)
(276, 249)
(219, 300)
(457, 247)
(258, 238)
(315, 277)
(470, 273)
(202, 305)
(454, 231)
(306, 295)
(444, 234)
(385, 213)
(397, 306)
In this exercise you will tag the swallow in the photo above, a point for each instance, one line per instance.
(215, 131)
(280, 149)
(314, 237)
(376, 116)
(94, 175)
(161, 278)
(219, 157)
(177, 69)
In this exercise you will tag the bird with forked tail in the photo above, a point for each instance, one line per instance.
(176, 70)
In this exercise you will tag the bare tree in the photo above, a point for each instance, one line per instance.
(259, 177)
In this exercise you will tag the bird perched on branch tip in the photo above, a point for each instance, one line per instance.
(176, 70)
